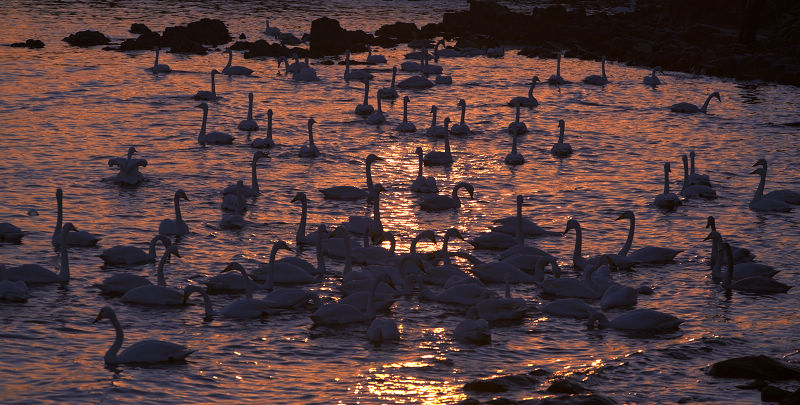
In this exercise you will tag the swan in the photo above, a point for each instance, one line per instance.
(406, 126)
(495, 241)
(302, 238)
(390, 93)
(383, 330)
(409, 66)
(265, 142)
(502, 309)
(442, 202)
(474, 331)
(569, 308)
(600, 80)
(376, 255)
(355, 74)
(208, 95)
(158, 294)
(423, 184)
(568, 287)
(309, 150)
(462, 293)
(496, 272)
(695, 178)
(214, 137)
(120, 284)
(364, 224)
(177, 226)
(652, 79)
(374, 59)
(12, 291)
(740, 255)
(561, 148)
(426, 68)
(252, 190)
(209, 308)
(445, 52)
(667, 200)
(752, 284)
(365, 108)
(305, 74)
(377, 117)
(128, 169)
(235, 218)
(529, 228)
(77, 238)
(249, 124)
(694, 190)
(233, 282)
(761, 202)
(436, 158)
(461, 128)
(273, 31)
(787, 196)
(438, 131)
(36, 274)
(645, 255)
(352, 193)
(689, 108)
(618, 296)
(415, 82)
(439, 275)
(130, 255)
(235, 70)
(283, 271)
(10, 233)
(247, 307)
(529, 101)
(142, 352)
(556, 79)
(338, 314)
(578, 261)
(637, 320)
(159, 68)
(517, 127)
(740, 270)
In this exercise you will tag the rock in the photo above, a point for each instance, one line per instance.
(242, 36)
(329, 38)
(404, 32)
(186, 46)
(87, 38)
(501, 384)
(469, 401)
(30, 43)
(565, 386)
(582, 399)
(501, 401)
(264, 48)
(205, 31)
(754, 367)
(490, 385)
(146, 41)
(139, 28)
(792, 399)
(771, 393)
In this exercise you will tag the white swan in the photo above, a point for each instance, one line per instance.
(249, 124)
(365, 225)
(461, 128)
(461, 293)
(409, 66)
(740, 254)
(157, 67)
(436, 158)
(496, 272)
(10, 233)
(443, 202)
(561, 148)
(377, 117)
(740, 270)
(787, 196)
(556, 79)
(690, 108)
(309, 149)
(176, 226)
(144, 351)
(695, 178)
(12, 291)
(129, 174)
(383, 330)
(77, 238)
(302, 238)
(495, 241)
(646, 255)
(252, 190)
(598, 80)
(158, 294)
(439, 275)
(618, 296)
(406, 126)
(355, 74)
(119, 284)
(667, 200)
(374, 59)
(423, 184)
(502, 309)
(529, 101)
(283, 271)
(694, 190)
(305, 74)
(273, 31)
(130, 255)
(36, 274)
(636, 320)
(763, 203)
(208, 95)
(752, 284)
(390, 92)
(352, 193)
(529, 228)
(517, 127)
(474, 331)
(652, 79)
(337, 314)
(569, 308)
(568, 287)
(438, 131)
(443, 79)
(415, 82)
(265, 142)
(365, 108)
(235, 70)
(247, 307)
(213, 137)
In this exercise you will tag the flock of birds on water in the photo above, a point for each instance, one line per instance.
(386, 275)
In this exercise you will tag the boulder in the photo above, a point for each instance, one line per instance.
(87, 38)
(501, 384)
(205, 31)
(139, 28)
(329, 38)
(30, 43)
(582, 399)
(264, 48)
(146, 41)
(754, 367)
(566, 386)
(186, 46)
(404, 32)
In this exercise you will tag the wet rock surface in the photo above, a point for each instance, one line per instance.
(87, 38)
(30, 43)
(754, 367)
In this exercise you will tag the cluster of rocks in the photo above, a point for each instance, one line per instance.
(568, 391)
(30, 43)
(762, 369)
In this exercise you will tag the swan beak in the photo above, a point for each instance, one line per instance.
(99, 317)
(755, 171)
(227, 268)
(620, 217)
(709, 236)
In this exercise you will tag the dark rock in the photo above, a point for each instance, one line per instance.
(539, 372)
(87, 38)
(500, 384)
(469, 401)
(30, 43)
(206, 31)
(404, 32)
(774, 394)
(242, 36)
(386, 42)
(139, 28)
(792, 399)
(241, 46)
(753, 385)
(583, 399)
(146, 41)
(565, 386)
(287, 38)
(186, 46)
(501, 401)
(754, 367)
(329, 38)
(431, 30)
(485, 386)
(264, 48)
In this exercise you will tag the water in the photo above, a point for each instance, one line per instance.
(66, 111)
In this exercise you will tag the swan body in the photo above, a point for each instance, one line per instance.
(406, 126)
(561, 148)
(214, 137)
(697, 187)
(493, 241)
(497, 272)
(365, 108)
(129, 174)
(119, 284)
(415, 82)
(652, 79)
(618, 296)
(383, 330)
(517, 127)
(305, 74)
(36, 274)
(647, 255)
(355, 74)
(130, 255)
(461, 128)
(10, 233)
(377, 117)
(569, 308)
(272, 31)
(502, 309)
(374, 59)
(438, 131)
(689, 108)
(740, 254)
(511, 224)
(437, 158)
(234, 219)
(249, 124)
(442, 202)
(695, 178)
(208, 95)
(309, 149)
(159, 67)
(423, 184)
(442, 79)
(410, 66)
(337, 314)
(740, 270)
(156, 294)
(253, 189)
(267, 142)
(598, 80)
(637, 320)
(787, 196)
(475, 331)
(145, 351)
(667, 200)
(514, 158)
(761, 202)
(556, 79)
(570, 287)
(352, 193)
(176, 226)
(390, 92)
(529, 101)
(460, 294)
(74, 238)
(752, 284)
(13, 291)
(235, 70)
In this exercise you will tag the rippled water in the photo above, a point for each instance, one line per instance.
(66, 110)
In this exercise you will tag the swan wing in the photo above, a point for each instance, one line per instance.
(153, 351)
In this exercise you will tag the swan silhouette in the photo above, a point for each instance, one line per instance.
(423, 184)
(405, 126)
(667, 200)
(273, 31)
(374, 59)
(267, 142)
(763, 203)
(142, 352)
(637, 320)
(443, 202)
(787, 196)
(569, 308)
(517, 127)
(740, 254)
(77, 238)
(119, 284)
(352, 193)
(208, 95)
(652, 79)
(695, 178)
(461, 128)
(355, 74)
(302, 238)
(514, 158)
(510, 224)
(235, 70)
(689, 108)
(646, 255)
(338, 314)
(130, 255)
(309, 149)
(740, 270)
(235, 205)
(36, 274)
(10, 233)
(176, 226)
(598, 80)
(390, 92)
(129, 174)
(365, 108)
(438, 131)
(561, 148)
(415, 82)
(529, 101)
(12, 291)
(377, 117)
(502, 309)
(158, 294)
(252, 190)
(214, 137)
(752, 284)
(383, 330)
(556, 79)
(436, 158)
(694, 190)
(473, 331)
(159, 68)
(249, 124)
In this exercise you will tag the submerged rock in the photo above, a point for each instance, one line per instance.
(582, 399)
(30, 43)
(205, 31)
(87, 38)
(145, 41)
(264, 48)
(754, 367)
(566, 386)
(404, 32)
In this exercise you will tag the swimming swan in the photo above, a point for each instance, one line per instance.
(119, 284)
(438, 131)
(529, 101)
(529, 228)
(667, 200)
(517, 127)
(561, 148)
(406, 126)
(694, 190)
(309, 149)
(652, 79)
(249, 124)
(600, 80)
(390, 92)
(159, 68)
(302, 238)
(130, 255)
(461, 128)
(128, 169)
(365, 108)
(436, 158)
(637, 320)
(214, 137)
(556, 79)
(695, 178)
(753, 284)
(156, 294)
(265, 142)
(144, 351)
(36, 274)
(355, 74)
(12, 291)
(252, 190)
(761, 202)
(645, 255)
(787, 196)
(77, 238)
(337, 314)
(689, 108)
(423, 184)
(442, 202)
(374, 59)
(235, 70)
(377, 117)
(352, 193)
(176, 226)
(208, 95)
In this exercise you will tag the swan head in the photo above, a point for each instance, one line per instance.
(105, 313)
(418, 151)
(535, 79)
(204, 106)
(250, 96)
(156, 48)
(234, 266)
(716, 94)
(572, 224)
(131, 150)
(300, 196)
(311, 122)
(181, 194)
(229, 51)
(561, 124)
(760, 171)
(667, 168)
(190, 289)
(434, 109)
(214, 72)
(685, 159)
(278, 245)
(519, 199)
(373, 158)
(446, 122)
(626, 214)
(59, 193)
(164, 239)
(760, 162)
(711, 222)
(172, 250)
(260, 154)
(346, 53)
(68, 227)
(406, 99)
(467, 186)
(454, 233)
(378, 188)
(269, 113)
(462, 103)
(430, 235)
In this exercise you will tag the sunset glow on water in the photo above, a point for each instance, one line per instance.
(65, 111)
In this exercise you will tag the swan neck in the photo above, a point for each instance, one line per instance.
(629, 241)
(370, 185)
(576, 254)
(376, 211)
(463, 112)
(230, 60)
(248, 286)
(301, 228)
(348, 255)
(155, 63)
(516, 119)
(269, 126)
(151, 253)
(530, 90)
(394, 76)
(666, 182)
(561, 134)
(716, 268)
(519, 234)
(558, 66)
(729, 272)
(446, 256)
(111, 354)
(760, 189)
(433, 120)
(203, 126)
(691, 163)
(447, 142)
(160, 269)
(320, 256)
(310, 135)
(213, 86)
(705, 105)
(59, 216)
(366, 93)
(178, 216)
(603, 68)
(419, 168)
(685, 175)
(514, 144)
(254, 177)
(250, 109)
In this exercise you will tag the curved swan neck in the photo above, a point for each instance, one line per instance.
(716, 267)
(463, 112)
(250, 107)
(151, 252)
(178, 216)
(761, 183)
(160, 269)
(230, 60)
(705, 105)
(203, 126)
(629, 241)
(729, 272)
(111, 353)
(530, 90)
(301, 229)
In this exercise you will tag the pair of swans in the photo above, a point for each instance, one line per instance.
(689, 108)
(158, 294)
(36, 274)
(119, 284)
(423, 184)
(740, 255)
(667, 200)
(141, 352)
(529, 101)
(778, 200)
(352, 193)
(309, 149)
(176, 226)
(758, 284)
(213, 137)
(740, 269)
(253, 189)
(598, 80)
(77, 238)
(438, 158)
(266, 142)
(129, 174)
(235, 70)
(354, 74)
(390, 92)
(442, 202)
(561, 148)
(132, 255)
(339, 314)
(233, 206)
(208, 95)
(159, 67)
(406, 126)
(249, 124)
(517, 223)
(695, 185)
(641, 320)
(556, 79)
